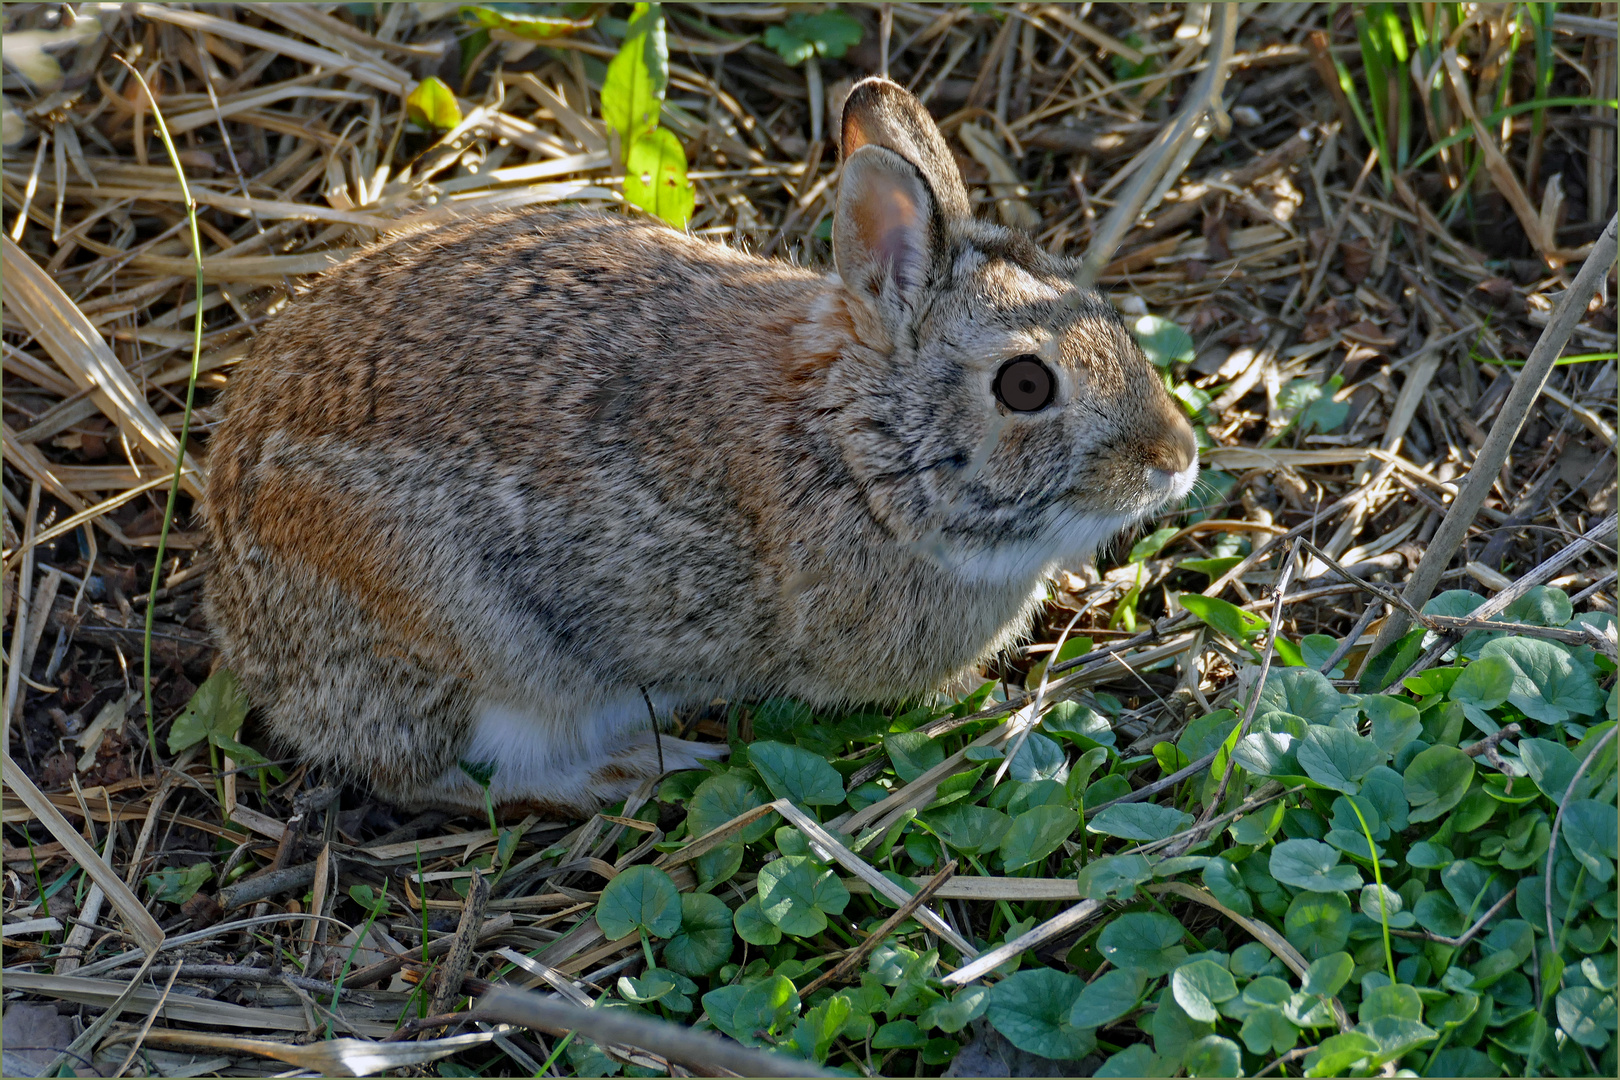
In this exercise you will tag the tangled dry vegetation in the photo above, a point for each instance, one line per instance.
(1346, 327)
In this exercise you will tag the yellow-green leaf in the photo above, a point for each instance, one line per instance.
(633, 92)
(533, 27)
(655, 177)
(433, 104)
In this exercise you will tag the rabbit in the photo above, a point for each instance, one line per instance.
(487, 493)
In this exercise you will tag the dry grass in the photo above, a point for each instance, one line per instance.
(1277, 244)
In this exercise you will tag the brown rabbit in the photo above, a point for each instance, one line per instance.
(484, 484)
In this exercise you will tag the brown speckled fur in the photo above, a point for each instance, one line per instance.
(524, 465)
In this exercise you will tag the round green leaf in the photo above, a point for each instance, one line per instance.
(1312, 865)
(640, 898)
(1039, 758)
(1327, 974)
(1224, 882)
(1436, 780)
(1138, 821)
(1548, 685)
(912, 753)
(1267, 753)
(1031, 1008)
(1398, 1000)
(1267, 1031)
(796, 893)
(1107, 998)
(1482, 686)
(1163, 341)
(1590, 829)
(1036, 833)
(1302, 692)
(1114, 875)
(1138, 1059)
(1395, 721)
(1586, 1015)
(1427, 856)
(1213, 1055)
(433, 105)
(769, 1006)
(1336, 758)
(1200, 986)
(719, 799)
(1318, 923)
(752, 925)
(970, 829)
(797, 774)
(1145, 940)
(703, 942)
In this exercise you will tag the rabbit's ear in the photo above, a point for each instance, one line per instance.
(887, 222)
(882, 113)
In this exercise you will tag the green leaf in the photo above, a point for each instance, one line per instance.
(1318, 923)
(752, 925)
(1151, 544)
(1079, 724)
(1267, 1031)
(433, 105)
(1586, 1015)
(970, 829)
(1224, 883)
(1039, 758)
(1395, 721)
(1552, 769)
(639, 898)
(1253, 830)
(765, 1006)
(1211, 568)
(532, 27)
(1336, 758)
(1268, 753)
(1383, 669)
(1315, 649)
(1302, 692)
(1206, 733)
(1548, 685)
(1542, 605)
(1163, 341)
(1114, 876)
(1482, 686)
(1138, 1059)
(1438, 680)
(1201, 985)
(899, 1035)
(1436, 780)
(955, 1014)
(1312, 865)
(1213, 1055)
(797, 774)
(1327, 974)
(1138, 821)
(1147, 941)
(1429, 856)
(1035, 834)
(816, 1031)
(1399, 1001)
(1349, 1054)
(652, 985)
(912, 753)
(797, 894)
(719, 799)
(703, 942)
(217, 708)
(1590, 829)
(1031, 1008)
(655, 177)
(633, 91)
(1229, 619)
(176, 885)
(800, 36)
(1110, 996)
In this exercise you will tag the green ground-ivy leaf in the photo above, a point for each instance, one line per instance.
(719, 799)
(970, 829)
(1106, 998)
(912, 753)
(1201, 985)
(1590, 829)
(797, 894)
(1031, 1008)
(1312, 865)
(1336, 758)
(1138, 821)
(797, 774)
(1036, 833)
(703, 942)
(1436, 780)
(639, 898)
(1144, 940)
(1318, 923)
(1548, 685)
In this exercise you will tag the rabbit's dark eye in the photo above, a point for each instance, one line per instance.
(1025, 384)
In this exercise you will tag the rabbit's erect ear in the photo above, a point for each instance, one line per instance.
(882, 113)
(886, 221)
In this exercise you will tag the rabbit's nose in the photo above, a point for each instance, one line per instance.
(1176, 450)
